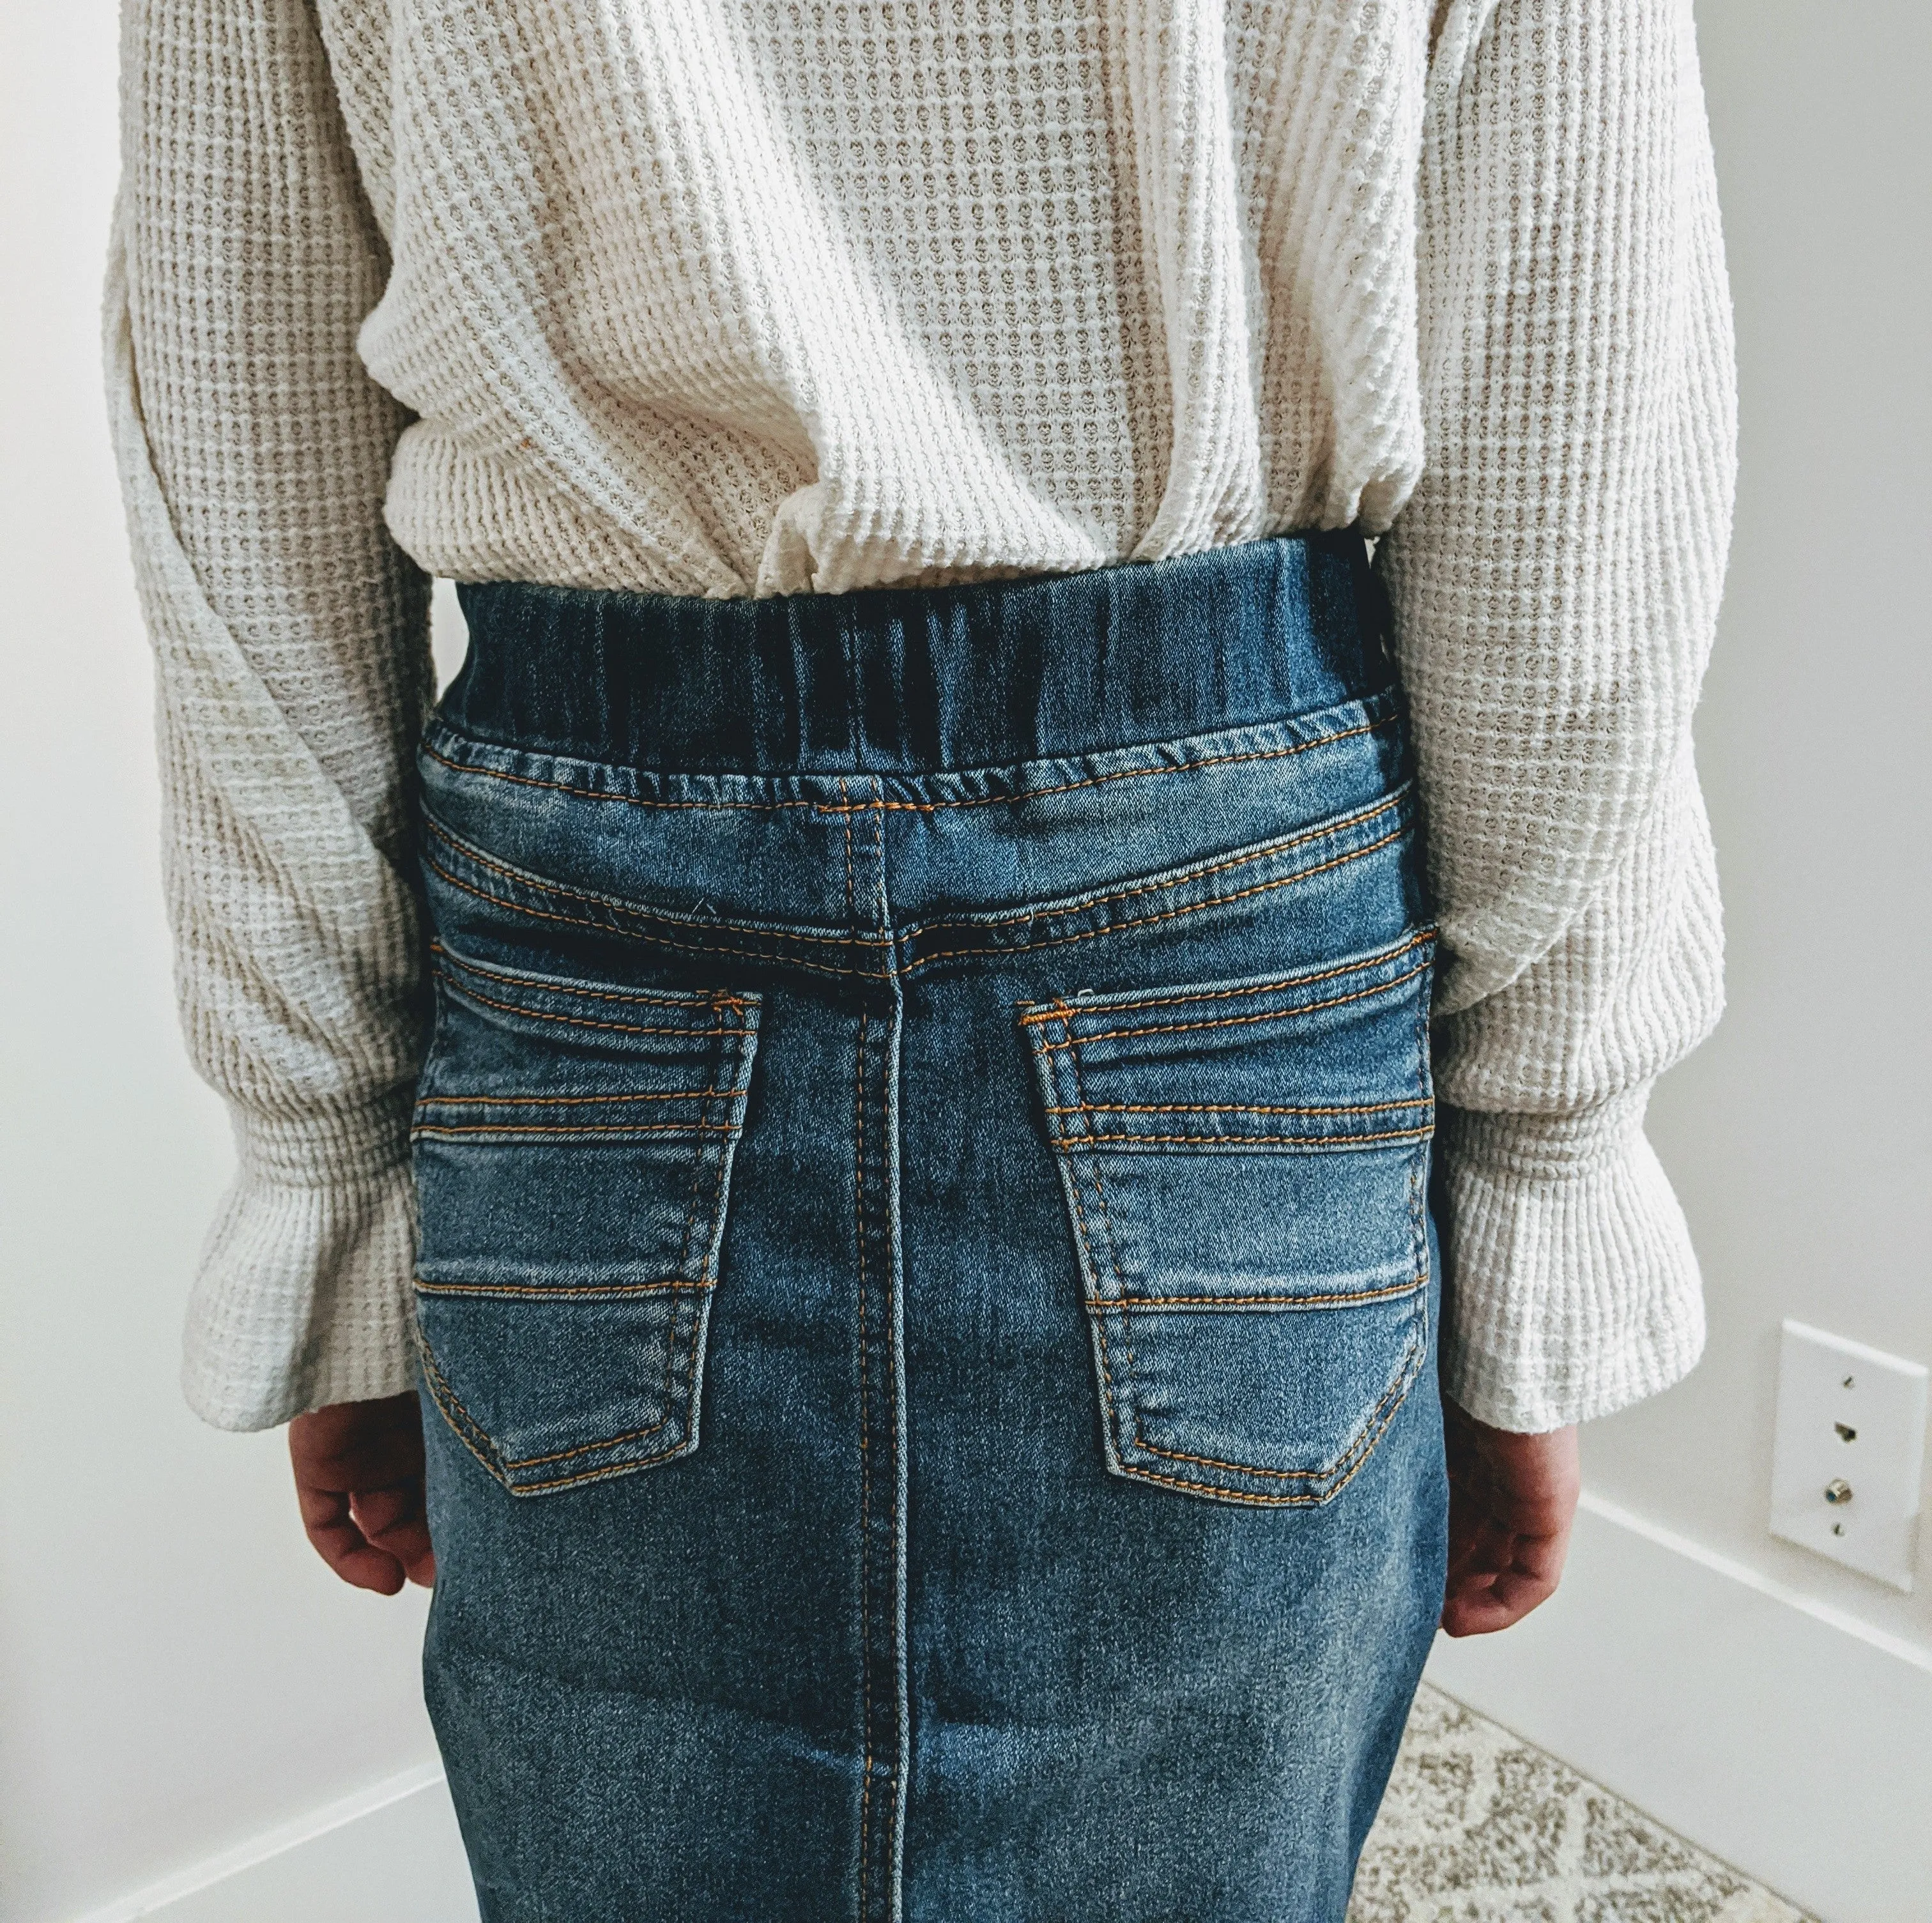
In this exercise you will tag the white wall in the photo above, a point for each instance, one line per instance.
(1800, 1136)
(178, 1676)
(177, 1670)
(1773, 1707)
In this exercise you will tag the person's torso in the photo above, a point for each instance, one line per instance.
(753, 296)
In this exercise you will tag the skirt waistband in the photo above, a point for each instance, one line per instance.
(908, 680)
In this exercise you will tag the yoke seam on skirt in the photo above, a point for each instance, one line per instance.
(891, 971)
(1079, 905)
(1018, 796)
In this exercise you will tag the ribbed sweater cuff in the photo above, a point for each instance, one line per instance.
(1572, 1288)
(303, 1295)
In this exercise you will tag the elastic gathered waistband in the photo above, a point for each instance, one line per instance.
(909, 679)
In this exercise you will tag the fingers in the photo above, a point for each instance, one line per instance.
(332, 1529)
(1513, 1500)
(358, 1474)
(1479, 1611)
(393, 1520)
(1471, 1612)
(1479, 1603)
(1497, 1577)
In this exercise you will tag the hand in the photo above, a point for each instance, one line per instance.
(359, 1480)
(1512, 1500)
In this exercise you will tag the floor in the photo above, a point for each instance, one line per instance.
(1479, 1827)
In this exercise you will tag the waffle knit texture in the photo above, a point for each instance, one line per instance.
(753, 297)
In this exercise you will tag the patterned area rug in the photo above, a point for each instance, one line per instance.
(1479, 1828)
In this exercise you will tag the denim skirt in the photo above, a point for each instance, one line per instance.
(927, 1291)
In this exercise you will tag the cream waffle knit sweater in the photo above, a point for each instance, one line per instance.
(750, 297)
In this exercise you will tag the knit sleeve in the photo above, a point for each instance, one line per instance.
(289, 640)
(1555, 581)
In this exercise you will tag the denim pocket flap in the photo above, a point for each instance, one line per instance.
(573, 1145)
(1245, 1166)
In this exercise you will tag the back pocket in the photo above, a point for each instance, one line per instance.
(1245, 1165)
(573, 1148)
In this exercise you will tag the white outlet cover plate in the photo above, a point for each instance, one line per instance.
(1849, 1414)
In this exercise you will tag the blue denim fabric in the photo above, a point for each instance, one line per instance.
(926, 1283)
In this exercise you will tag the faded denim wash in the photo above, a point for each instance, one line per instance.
(926, 1285)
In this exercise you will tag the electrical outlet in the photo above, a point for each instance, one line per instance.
(1846, 1460)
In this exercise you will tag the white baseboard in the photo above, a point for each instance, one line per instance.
(1784, 1735)
(389, 1854)
(1781, 1734)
